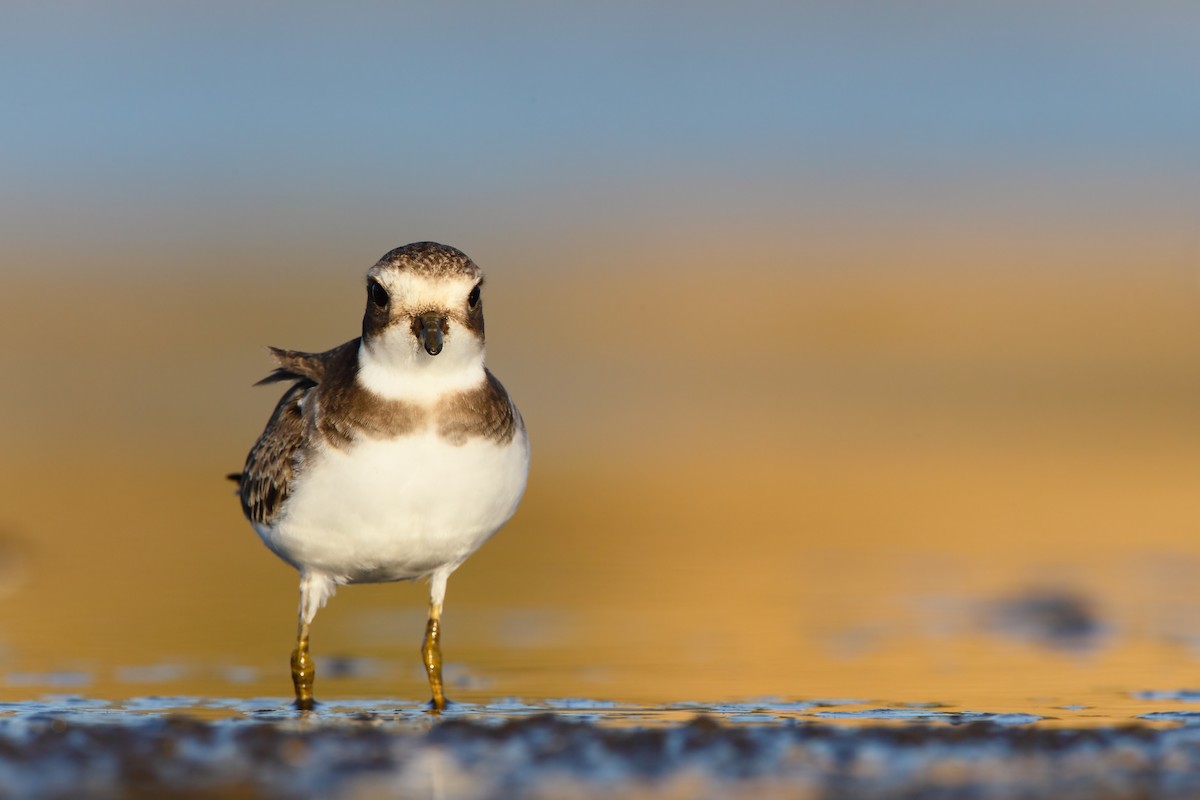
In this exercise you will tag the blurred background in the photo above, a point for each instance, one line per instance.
(858, 342)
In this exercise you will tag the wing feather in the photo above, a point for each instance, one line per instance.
(274, 460)
(298, 365)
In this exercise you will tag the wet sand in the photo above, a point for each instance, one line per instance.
(71, 747)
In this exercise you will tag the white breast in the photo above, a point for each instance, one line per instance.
(384, 510)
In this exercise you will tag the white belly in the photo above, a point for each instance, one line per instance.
(385, 510)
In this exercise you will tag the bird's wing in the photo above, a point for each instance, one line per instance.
(265, 481)
(273, 461)
(297, 365)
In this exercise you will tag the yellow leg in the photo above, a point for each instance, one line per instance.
(431, 654)
(315, 589)
(303, 671)
(431, 650)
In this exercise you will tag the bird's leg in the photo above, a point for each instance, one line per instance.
(314, 591)
(431, 649)
(303, 671)
(431, 652)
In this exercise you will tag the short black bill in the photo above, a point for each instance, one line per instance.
(430, 329)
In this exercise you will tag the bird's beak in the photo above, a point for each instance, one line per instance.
(430, 328)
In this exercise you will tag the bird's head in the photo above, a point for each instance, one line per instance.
(423, 324)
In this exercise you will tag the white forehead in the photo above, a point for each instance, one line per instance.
(414, 290)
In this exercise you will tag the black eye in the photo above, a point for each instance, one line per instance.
(378, 294)
(473, 297)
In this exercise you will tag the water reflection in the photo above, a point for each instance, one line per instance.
(1140, 707)
(1111, 709)
(264, 747)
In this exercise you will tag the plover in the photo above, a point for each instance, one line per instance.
(393, 456)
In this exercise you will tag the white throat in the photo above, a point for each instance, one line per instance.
(396, 367)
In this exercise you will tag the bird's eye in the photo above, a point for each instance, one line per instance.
(378, 294)
(473, 297)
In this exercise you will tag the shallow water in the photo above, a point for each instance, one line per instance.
(1118, 709)
(70, 745)
(79, 709)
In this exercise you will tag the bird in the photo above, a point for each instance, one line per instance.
(393, 456)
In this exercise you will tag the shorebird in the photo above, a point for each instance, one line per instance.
(393, 456)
